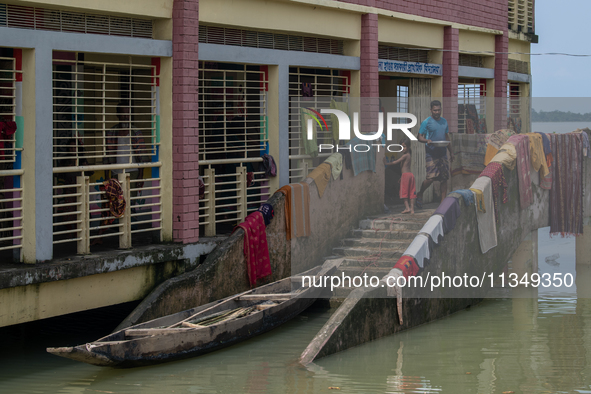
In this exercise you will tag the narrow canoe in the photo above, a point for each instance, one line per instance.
(203, 329)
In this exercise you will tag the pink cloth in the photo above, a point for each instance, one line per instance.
(256, 249)
(407, 186)
(521, 143)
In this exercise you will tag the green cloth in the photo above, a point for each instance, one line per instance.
(336, 163)
(310, 146)
(341, 106)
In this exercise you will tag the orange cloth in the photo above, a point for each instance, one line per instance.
(321, 176)
(491, 151)
(297, 209)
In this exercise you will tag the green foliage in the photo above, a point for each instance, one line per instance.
(559, 116)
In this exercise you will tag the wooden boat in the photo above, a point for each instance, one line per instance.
(203, 329)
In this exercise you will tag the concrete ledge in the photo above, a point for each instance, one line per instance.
(100, 263)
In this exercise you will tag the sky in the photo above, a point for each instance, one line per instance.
(562, 26)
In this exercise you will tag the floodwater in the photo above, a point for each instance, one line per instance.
(523, 345)
(526, 345)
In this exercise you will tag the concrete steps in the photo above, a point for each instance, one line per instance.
(375, 246)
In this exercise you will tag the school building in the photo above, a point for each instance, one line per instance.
(160, 94)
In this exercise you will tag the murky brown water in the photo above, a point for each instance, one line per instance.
(538, 345)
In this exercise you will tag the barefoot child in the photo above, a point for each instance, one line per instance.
(407, 182)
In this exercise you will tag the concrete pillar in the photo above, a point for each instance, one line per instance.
(583, 245)
(370, 88)
(185, 127)
(39, 166)
(501, 73)
(451, 61)
(279, 149)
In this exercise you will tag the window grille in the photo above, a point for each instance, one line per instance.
(403, 54)
(402, 99)
(514, 106)
(8, 77)
(11, 214)
(521, 15)
(471, 60)
(518, 66)
(87, 98)
(471, 106)
(256, 39)
(74, 22)
(233, 137)
(325, 84)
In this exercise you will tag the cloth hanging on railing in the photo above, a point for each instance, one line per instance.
(487, 228)
(522, 147)
(336, 164)
(393, 290)
(297, 209)
(321, 176)
(256, 248)
(268, 212)
(566, 195)
(269, 165)
(495, 172)
(114, 193)
(507, 156)
(536, 152)
(434, 227)
(419, 249)
(362, 161)
(450, 210)
(467, 196)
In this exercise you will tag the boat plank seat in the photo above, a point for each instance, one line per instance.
(259, 297)
(144, 332)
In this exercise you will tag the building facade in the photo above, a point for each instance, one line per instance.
(160, 94)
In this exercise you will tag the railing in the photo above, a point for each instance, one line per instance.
(228, 198)
(81, 211)
(11, 211)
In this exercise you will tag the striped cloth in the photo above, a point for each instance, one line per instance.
(297, 209)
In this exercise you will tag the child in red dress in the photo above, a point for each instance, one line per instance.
(407, 182)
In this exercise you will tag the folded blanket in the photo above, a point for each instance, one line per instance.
(450, 210)
(434, 227)
(419, 249)
(487, 229)
(506, 156)
(256, 248)
(321, 176)
(336, 163)
(297, 209)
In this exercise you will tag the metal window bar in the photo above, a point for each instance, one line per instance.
(86, 125)
(325, 84)
(75, 22)
(471, 93)
(513, 103)
(228, 198)
(8, 73)
(232, 112)
(82, 213)
(11, 213)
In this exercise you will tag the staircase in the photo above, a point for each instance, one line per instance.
(376, 245)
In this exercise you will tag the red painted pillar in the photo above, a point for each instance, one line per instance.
(501, 74)
(451, 61)
(369, 72)
(185, 123)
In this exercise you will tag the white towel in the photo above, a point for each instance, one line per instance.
(394, 290)
(434, 227)
(487, 228)
(419, 249)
